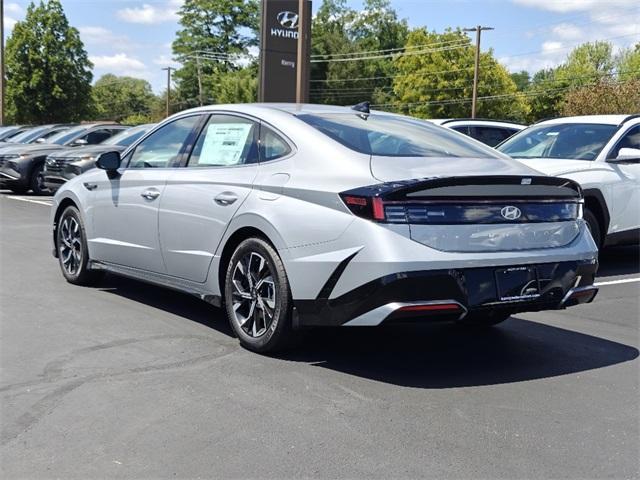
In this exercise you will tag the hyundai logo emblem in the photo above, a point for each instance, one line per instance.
(510, 212)
(288, 19)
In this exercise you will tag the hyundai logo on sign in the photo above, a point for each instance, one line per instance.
(289, 20)
(510, 212)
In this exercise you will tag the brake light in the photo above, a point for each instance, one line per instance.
(371, 208)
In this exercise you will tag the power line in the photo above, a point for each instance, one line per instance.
(458, 46)
(386, 50)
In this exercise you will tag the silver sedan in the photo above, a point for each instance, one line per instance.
(297, 216)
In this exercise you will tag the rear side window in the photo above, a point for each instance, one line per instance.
(226, 141)
(395, 136)
(491, 136)
(272, 146)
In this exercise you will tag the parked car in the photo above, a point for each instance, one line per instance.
(63, 165)
(21, 166)
(602, 154)
(489, 132)
(298, 216)
(37, 134)
(11, 130)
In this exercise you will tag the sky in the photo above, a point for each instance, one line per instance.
(129, 37)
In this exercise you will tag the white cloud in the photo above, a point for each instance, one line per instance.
(564, 6)
(165, 61)
(13, 8)
(9, 23)
(120, 64)
(567, 31)
(101, 36)
(151, 14)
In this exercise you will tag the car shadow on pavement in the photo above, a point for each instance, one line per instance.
(444, 355)
(624, 260)
(435, 355)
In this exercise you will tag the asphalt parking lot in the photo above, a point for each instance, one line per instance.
(130, 380)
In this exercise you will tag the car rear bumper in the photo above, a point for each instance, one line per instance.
(449, 295)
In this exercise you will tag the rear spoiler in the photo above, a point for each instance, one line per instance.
(478, 188)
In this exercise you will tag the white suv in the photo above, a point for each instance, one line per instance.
(601, 153)
(489, 132)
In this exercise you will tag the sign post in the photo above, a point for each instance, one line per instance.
(284, 70)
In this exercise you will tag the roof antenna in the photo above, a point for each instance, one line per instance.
(363, 109)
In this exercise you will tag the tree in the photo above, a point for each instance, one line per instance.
(47, 68)
(213, 32)
(238, 86)
(340, 33)
(628, 63)
(438, 82)
(521, 79)
(115, 98)
(605, 97)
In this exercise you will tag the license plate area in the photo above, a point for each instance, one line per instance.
(517, 284)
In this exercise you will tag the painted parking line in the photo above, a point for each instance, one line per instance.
(30, 200)
(616, 282)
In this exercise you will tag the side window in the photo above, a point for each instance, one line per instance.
(272, 146)
(98, 136)
(631, 139)
(491, 136)
(162, 148)
(225, 141)
(462, 129)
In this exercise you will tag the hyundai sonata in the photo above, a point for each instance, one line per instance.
(294, 216)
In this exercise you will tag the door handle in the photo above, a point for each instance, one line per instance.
(90, 186)
(226, 198)
(150, 194)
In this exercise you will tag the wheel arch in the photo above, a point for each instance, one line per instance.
(595, 202)
(64, 203)
(230, 245)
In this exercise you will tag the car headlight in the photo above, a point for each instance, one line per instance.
(88, 158)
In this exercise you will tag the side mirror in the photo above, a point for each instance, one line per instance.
(627, 155)
(109, 161)
(40, 140)
(79, 142)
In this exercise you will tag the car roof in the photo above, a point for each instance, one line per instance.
(602, 119)
(456, 122)
(292, 108)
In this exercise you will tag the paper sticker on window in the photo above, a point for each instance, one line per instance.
(224, 143)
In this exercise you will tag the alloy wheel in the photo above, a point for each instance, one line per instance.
(70, 245)
(253, 294)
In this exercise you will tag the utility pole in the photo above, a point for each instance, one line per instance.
(1, 62)
(476, 70)
(301, 60)
(199, 79)
(168, 69)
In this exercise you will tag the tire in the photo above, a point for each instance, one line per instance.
(36, 182)
(594, 227)
(71, 245)
(485, 319)
(258, 297)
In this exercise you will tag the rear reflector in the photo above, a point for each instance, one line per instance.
(443, 307)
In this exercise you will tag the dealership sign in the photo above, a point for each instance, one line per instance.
(279, 29)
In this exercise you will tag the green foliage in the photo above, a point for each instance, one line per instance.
(605, 97)
(438, 83)
(628, 63)
(222, 27)
(47, 68)
(338, 31)
(115, 98)
(521, 79)
(238, 86)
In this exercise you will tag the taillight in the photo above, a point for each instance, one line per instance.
(371, 208)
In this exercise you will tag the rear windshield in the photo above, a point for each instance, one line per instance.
(573, 141)
(395, 136)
